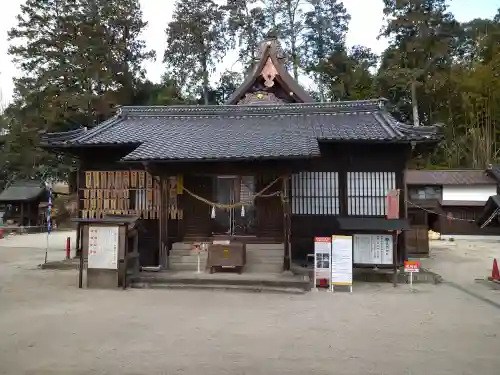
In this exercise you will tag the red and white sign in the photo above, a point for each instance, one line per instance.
(322, 255)
(412, 266)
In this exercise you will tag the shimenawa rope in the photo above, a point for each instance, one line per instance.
(260, 194)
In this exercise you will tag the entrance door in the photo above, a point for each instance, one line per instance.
(225, 194)
(234, 221)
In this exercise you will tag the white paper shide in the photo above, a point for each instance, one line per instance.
(103, 247)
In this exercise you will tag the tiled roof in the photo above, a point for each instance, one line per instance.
(448, 177)
(244, 131)
(490, 213)
(450, 203)
(494, 172)
(62, 137)
(22, 191)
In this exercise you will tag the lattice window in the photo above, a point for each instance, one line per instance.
(315, 193)
(247, 188)
(367, 192)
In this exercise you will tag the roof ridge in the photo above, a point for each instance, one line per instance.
(98, 128)
(385, 120)
(449, 170)
(359, 105)
(62, 137)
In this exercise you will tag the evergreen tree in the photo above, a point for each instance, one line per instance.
(78, 60)
(347, 75)
(326, 25)
(247, 26)
(422, 35)
(288, 16)
(196, 41)
(228, 83)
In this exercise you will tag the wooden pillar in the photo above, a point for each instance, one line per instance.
(395, 258)
(78, 239)
(79, 206)
(287, 259)
(403, 214)
(163, 222)
(343, 198)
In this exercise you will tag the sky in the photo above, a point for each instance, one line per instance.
(366, 22)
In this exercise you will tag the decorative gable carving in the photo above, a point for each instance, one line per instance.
(264, 73)
(269, 73)
(260, 97)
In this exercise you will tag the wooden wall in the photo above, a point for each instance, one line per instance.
(193, 221)
(346, 158)
(465, 225)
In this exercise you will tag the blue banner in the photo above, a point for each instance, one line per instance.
(49, 212)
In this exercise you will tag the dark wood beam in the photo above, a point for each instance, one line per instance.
(287, 222)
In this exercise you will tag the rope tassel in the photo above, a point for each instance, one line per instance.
(242, 211)
(212, 215)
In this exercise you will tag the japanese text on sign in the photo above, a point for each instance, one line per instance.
(412, 266)
(322, 252)
(103, 247)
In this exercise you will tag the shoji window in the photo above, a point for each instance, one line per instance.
(367, 192)
(315, 193)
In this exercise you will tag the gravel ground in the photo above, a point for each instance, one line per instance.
(463, 263)
(48, 326)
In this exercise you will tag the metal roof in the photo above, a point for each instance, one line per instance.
(243, 131)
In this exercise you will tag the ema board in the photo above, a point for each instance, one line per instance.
(376, 249)
(103, 248)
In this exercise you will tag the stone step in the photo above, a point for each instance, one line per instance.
(222, 278)
(252, 259)
(213, 286)
(182, 246)
(185, 267)
(175, 259)
(265, 246)
(265, 253)
(263, 268)
(249, 267)
(254, 252)
(177, 252)
(249, 246)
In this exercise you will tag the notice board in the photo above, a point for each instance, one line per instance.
(322, 253)
(103, 247)
(373, 249)
(342, 260)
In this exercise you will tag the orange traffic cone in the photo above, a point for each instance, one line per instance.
(495, 274)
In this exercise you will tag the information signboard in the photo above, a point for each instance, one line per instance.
(412, 266)
(376, 249)
(322, 260)
(103, 247)
(341, 261)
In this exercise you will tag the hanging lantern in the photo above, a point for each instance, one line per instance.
(212, 215)
(243, 211)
